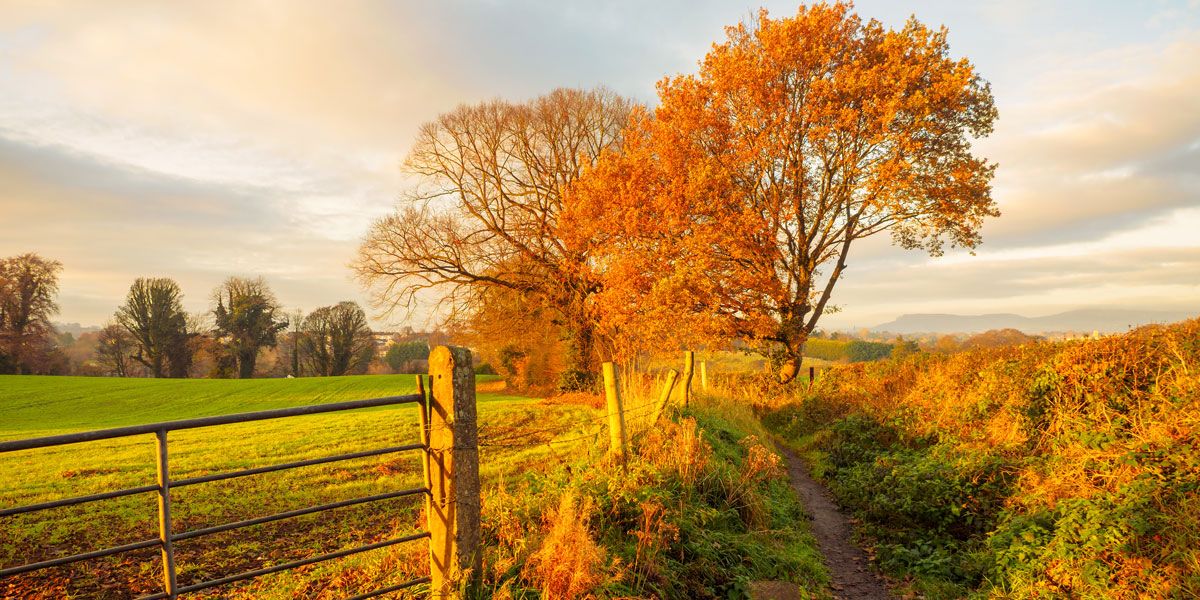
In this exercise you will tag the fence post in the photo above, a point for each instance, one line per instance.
(689, 368)
(704, 375)
(454, 471)
(423, 423)
(665, 395)
(812, 375)
(616, 414)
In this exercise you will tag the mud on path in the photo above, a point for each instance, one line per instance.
(849, 567)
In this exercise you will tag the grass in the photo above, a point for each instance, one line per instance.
(1049, 471)
(39, 406)
(724, 361)
(700, 511)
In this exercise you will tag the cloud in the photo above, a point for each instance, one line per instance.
(201, 140)
(1106, 145)
(109, 224)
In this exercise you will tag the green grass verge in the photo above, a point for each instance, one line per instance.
(715, 524)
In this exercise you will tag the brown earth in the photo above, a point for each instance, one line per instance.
(849, 567)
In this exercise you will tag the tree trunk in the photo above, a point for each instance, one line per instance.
(793, 356)
(789, 368)
(579, 365)
(246, 360)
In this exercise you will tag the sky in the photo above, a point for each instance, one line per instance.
(201, 140)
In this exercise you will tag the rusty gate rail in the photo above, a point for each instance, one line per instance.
(167, 537)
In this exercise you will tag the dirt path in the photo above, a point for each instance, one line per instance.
(849, 567)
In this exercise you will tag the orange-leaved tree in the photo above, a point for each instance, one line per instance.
(729, 212)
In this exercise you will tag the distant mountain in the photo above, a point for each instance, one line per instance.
(1084, 320)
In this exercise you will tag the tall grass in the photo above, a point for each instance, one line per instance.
(1051, 470)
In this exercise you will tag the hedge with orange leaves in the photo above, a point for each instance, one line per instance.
(1050, 470)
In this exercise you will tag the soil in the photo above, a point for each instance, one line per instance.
(849, 567)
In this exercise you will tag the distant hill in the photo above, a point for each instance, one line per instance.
(1084, 320)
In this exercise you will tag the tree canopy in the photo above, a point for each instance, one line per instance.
(153, 315)
(484, 219)
(248, 318)
(730, 210)
(28, 285)
(336, 340)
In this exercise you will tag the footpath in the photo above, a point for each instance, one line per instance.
(849, 567)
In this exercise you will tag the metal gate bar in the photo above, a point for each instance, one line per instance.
(164, 485)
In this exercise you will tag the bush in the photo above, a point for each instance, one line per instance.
(858, 351)
(830, 350)
(1049, 470)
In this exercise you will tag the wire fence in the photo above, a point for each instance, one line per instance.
(517, 438)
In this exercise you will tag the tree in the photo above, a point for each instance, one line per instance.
(337, 340)
(28, 285)
(115, 350)
(248, 317)
(731, 210)
(485, 219)
(401, 354)
(860, 351)
(904, 348)
(289, 346)
(153, 315)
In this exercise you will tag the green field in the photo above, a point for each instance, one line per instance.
(696, 512)
(40, 406)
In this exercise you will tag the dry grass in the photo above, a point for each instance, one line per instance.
(678, 447)
(1084, 425)
(569, 563)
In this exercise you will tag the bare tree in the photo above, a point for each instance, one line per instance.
(28, 285)
(485, 217)
(115, 350)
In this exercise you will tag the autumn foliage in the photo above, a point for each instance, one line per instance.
(730, 210)
(1049, 470)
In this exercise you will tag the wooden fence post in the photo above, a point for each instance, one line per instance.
(704, 375)
(616, 413)
(454, 471)
(665, 396)
(689, 368)
(812, 375)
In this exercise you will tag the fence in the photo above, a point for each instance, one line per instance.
(451, 476)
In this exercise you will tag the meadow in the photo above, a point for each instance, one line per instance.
(40, 406)
(686, 523)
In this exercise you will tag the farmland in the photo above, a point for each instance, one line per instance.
(732, 531)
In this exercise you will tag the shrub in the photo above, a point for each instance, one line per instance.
(1046, 470)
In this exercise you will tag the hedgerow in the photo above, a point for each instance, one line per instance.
(1050, 470)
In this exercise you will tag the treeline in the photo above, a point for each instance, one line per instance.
(851, 351)
(854, 351)
(245, 333)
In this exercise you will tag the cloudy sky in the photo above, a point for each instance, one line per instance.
(198, 140)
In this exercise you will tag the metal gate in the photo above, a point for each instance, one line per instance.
(167, 536)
